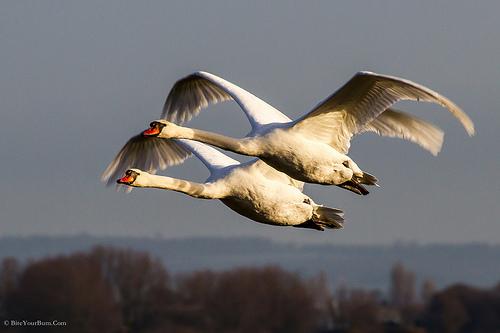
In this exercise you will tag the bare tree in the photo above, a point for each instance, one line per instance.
(358, 311)
(70, 289)
(402, 287)
(427, 290)
(9, 275)
(257, 300)
(140, 286)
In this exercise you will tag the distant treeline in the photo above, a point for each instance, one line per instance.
(365, 266)
(115, 290)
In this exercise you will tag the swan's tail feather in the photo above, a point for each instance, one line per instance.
(325, 217)
(332, 218)
(367, 179)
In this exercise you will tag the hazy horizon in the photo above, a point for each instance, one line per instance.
(354, 265)
(79, 79)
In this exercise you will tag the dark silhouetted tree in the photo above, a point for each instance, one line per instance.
(358, 311)
(70, 289)
(427, 290)
(140, 286)
(463, 309)
(9, 276)
(265, 299)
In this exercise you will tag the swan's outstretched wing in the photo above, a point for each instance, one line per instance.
(361, 100)
(149, 154)
(196, 91)
(397, 124)
(187, 97)
(212, 158)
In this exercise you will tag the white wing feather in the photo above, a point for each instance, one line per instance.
(196, 91)
(212, 158)
(215, 160)
(397, 124)
(149, 154)
(361, 100)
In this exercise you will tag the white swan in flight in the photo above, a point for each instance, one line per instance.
(311, 149)
(252, 189)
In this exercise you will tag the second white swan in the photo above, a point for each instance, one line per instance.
(252, 189)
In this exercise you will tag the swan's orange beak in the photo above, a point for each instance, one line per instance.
(152, 131)
(126, 180)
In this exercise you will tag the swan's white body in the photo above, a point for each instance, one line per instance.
(252, 189)
(311, 149)
(303, 158)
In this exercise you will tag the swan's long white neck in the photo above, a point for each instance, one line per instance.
(197, 190)
(244, 146)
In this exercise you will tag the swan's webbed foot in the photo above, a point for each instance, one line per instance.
(310, 225)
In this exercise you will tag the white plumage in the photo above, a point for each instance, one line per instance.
(311, 149)
(252, 189)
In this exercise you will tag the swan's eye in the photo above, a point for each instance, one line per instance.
(346, 164)
(153, 124)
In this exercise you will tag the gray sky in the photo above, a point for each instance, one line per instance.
(77, 79)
